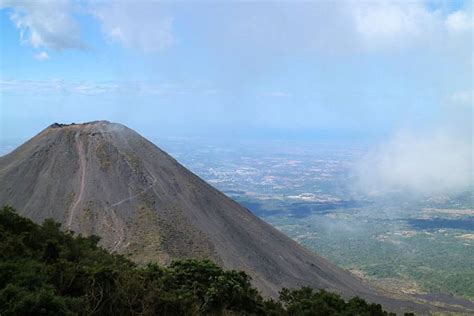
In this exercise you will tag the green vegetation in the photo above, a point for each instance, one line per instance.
(45, 271)
(389, 252)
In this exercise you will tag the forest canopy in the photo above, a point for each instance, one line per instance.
(47, 271)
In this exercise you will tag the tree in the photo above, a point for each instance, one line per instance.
(46, 271)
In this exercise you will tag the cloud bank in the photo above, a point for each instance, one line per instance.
(338, 26)
(47, 87)
(437, 163)
(314, 26)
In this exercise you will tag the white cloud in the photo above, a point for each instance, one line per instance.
(56, 86)
(463, 98)
(338, 26)
(45, 24)
(51, 25)
(277, 94)
(381, 23)
(459, 21)
(90, 87)
(436, 163)
(139, 25)
(21, 86)
(335, 27)
(42, 56)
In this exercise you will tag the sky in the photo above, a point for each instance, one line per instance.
(335, 70)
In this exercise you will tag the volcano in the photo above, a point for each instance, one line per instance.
(105, 179)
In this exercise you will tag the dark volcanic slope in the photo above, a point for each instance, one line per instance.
(105, 179)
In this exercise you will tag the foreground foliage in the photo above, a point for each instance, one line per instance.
(45, 271)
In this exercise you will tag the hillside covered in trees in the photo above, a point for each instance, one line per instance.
(45, 271)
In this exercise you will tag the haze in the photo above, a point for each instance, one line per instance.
(394, 74)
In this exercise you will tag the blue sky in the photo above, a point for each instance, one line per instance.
(340, 69)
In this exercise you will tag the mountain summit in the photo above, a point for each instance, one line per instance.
(105, 179)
